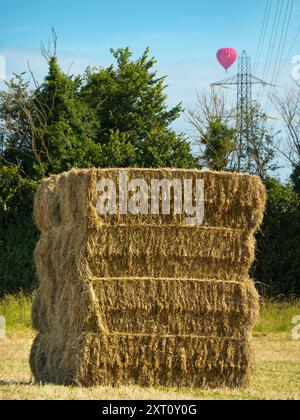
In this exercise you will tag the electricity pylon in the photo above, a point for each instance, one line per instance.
(244, 80)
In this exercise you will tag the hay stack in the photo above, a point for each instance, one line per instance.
(145, 299)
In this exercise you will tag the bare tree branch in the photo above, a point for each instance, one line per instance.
(48, 52)
(289, 109)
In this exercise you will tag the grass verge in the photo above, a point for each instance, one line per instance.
(17, 312)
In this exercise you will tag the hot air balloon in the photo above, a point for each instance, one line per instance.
(227, 57)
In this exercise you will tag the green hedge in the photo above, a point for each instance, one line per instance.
(18, 233)
(18, 237)
(277, 268)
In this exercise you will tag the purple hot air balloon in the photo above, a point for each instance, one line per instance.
(227, 57)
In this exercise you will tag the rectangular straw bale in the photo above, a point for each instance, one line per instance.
(159, 251)
(146, 300)
(177, 306)
(231, 200)
(145, 360)
(154, 306)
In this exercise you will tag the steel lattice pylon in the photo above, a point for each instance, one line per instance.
(244, 80)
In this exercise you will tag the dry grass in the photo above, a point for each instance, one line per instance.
(277, 376)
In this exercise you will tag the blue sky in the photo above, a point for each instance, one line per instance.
(183, 35)
(174, 29)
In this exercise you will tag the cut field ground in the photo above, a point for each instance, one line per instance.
(277, 375)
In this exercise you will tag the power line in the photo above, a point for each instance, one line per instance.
(291, 48)
(285, 38)
(268, 46)
(263, 33)
(281, 48)
(273, 39)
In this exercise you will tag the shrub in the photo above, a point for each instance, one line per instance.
(18, 234)
(278, 257)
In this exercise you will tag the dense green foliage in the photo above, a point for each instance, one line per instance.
(219, 144)
(18, 234)
(295, 177)
(109, 117)
(278, 256)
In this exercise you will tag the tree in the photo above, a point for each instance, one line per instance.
(218, 144)
(288, 108)
(259, 155)
(113, 117)
(48, 130)
(130, 105)
(216, 132)
(295, 178)
(213, 131)
(17, 143)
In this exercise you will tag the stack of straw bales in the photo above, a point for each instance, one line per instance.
(146, 300)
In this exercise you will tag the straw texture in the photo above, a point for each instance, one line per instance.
(145, 299)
